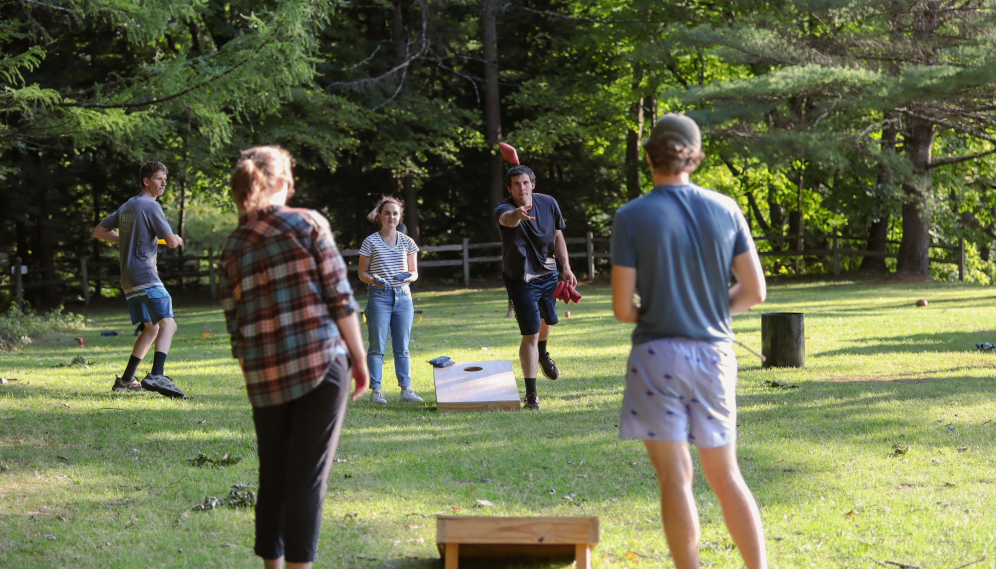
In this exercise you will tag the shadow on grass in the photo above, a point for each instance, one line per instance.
(914, 343)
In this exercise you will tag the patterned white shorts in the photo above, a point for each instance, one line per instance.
(679, 389)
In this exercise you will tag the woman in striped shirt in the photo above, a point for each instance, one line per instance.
(388, 262)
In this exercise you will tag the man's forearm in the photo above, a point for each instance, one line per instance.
(104, 234)
(509, 219)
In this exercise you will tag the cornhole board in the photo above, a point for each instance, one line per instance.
(475, 386)
(469, 536)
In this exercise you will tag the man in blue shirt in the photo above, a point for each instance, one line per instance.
(142, 224)
(677, 247)
(533, 244)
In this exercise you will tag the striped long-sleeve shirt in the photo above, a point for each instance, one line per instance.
(283, 286)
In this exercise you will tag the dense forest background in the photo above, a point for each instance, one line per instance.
(874, 119)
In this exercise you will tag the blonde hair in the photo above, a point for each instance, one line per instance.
(258, 175)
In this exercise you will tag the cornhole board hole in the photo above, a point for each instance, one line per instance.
(469, 536)
(474, 386)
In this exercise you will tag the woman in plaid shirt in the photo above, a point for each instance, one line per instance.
(294, 329)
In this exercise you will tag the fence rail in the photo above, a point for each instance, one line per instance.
(836, 251)
(83, 276)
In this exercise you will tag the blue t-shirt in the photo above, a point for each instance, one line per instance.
(527, 249)
(681, 240)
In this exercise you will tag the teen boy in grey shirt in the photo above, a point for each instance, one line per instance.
(677, 247)
(142, 223)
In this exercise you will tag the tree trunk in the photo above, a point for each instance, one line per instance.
(95, 191)
(878, 233)
(45, 254)
(633, 153)
(492, 106)
(182, 218)
(914, 250)
(777, 217)
(411, 209)
(408, 193)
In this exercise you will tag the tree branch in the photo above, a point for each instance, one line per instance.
(155, 101)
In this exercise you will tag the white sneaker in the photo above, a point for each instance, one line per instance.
(377, 396)
(409, 396)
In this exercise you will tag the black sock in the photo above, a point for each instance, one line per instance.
(542, 347)
(130, 369)
(158, 361)
(530, 384)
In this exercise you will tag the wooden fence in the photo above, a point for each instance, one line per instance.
(84, 272)
(836, 251)
(466, 247)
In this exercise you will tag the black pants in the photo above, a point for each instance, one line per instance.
(297, 443)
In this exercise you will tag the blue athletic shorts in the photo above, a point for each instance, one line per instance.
(149, 305)
(681, 390)
(532, 301)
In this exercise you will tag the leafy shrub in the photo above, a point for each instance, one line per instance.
(18, 328)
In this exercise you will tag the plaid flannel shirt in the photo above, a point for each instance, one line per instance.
(283, 286)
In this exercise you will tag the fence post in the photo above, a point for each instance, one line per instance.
(19, 290)
(836, 253)
(961, 259)
(214, 286)
(466, 263)
(85, 278)
(591, 254)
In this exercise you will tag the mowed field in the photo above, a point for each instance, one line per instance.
(884, 451)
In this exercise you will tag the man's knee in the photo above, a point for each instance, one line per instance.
(530, 339)
(167, 325)
(151, 329)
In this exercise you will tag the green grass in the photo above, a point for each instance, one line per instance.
(94, 479)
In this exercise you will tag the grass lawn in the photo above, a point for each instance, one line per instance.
(89, 478)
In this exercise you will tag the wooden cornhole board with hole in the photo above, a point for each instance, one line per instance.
(475, 386)
(468, 536)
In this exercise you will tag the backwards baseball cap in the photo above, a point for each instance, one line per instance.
(674, 127)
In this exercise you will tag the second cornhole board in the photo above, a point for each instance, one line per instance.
(469, 536)
(473, 386)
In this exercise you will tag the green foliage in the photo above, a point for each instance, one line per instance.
(19, 328)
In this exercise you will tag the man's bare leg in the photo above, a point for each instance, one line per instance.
(511, 310)
(719, 465)
(167, 327)
(529, 350)
(529, 354)
(144, 341)
(673, 464)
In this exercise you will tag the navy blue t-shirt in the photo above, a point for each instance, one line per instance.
(527, 250)
(681, 240)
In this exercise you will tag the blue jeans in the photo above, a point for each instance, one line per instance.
(389, 310)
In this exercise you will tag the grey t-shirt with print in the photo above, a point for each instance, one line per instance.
(141, 223)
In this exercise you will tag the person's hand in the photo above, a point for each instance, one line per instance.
(361, 378)
(568, 277)
(379, 281)
(522, 213)
(402, 277)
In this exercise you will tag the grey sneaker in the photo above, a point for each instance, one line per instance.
(409, 396)
(162, 384)
(122, 387)
(377, 396)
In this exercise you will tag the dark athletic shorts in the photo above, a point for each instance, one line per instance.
(532, 301)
